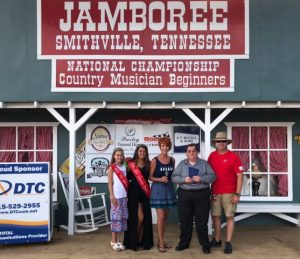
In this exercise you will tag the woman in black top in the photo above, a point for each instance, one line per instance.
(140, 233)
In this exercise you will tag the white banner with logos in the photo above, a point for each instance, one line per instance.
(101, 139)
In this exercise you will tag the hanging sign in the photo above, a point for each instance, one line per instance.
(142, 74)
(155, 46)
(142, 28)
(185, 135)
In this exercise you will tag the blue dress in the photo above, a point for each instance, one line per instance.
(163, 194)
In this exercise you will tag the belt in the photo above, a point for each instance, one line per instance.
(194, 190)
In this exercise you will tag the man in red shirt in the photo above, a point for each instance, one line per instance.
(226, 190)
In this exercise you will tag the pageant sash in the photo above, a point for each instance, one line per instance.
(121, 176)
(141, 180)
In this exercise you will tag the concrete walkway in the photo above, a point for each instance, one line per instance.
(249, 242)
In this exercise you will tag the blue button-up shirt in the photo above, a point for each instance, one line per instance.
(202, 169)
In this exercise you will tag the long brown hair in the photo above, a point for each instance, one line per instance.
(113, 160)
(135, 155)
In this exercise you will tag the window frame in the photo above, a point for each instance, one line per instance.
(288, 125)
(54, 126)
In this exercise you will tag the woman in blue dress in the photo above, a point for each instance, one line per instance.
(162, 190)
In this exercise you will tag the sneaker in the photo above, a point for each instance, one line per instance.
(215, 243)
(115, 247)
(121, 246)
(228, 248)
(180, 248)
(206, 249)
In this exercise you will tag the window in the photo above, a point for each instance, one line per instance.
(266, 152)
(29, 142)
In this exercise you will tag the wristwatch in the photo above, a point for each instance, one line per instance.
(238, 194)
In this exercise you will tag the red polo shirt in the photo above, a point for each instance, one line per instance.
(225, 166)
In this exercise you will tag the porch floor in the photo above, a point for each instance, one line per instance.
(249, 242)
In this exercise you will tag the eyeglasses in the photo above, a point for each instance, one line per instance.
(191, 151)
(221, 141)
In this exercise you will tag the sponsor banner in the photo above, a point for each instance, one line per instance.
(142, 28)
(96, 168)
(98, 75)
(24, 203)
(100, 138)
(79, 162)
(184, 135)
(152, 133)
(128, 136)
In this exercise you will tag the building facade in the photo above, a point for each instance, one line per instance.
(258, 105)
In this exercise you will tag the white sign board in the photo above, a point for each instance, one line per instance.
(24, 203)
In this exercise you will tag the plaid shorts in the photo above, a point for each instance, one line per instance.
(119, 216)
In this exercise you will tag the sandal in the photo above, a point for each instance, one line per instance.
(115, 247)
(162, 249)
(167, 245)
(121, 246)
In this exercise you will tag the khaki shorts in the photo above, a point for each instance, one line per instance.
(222, 201)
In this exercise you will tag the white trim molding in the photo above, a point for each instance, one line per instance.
(288, 149)
(103, 104)
(54, 145)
